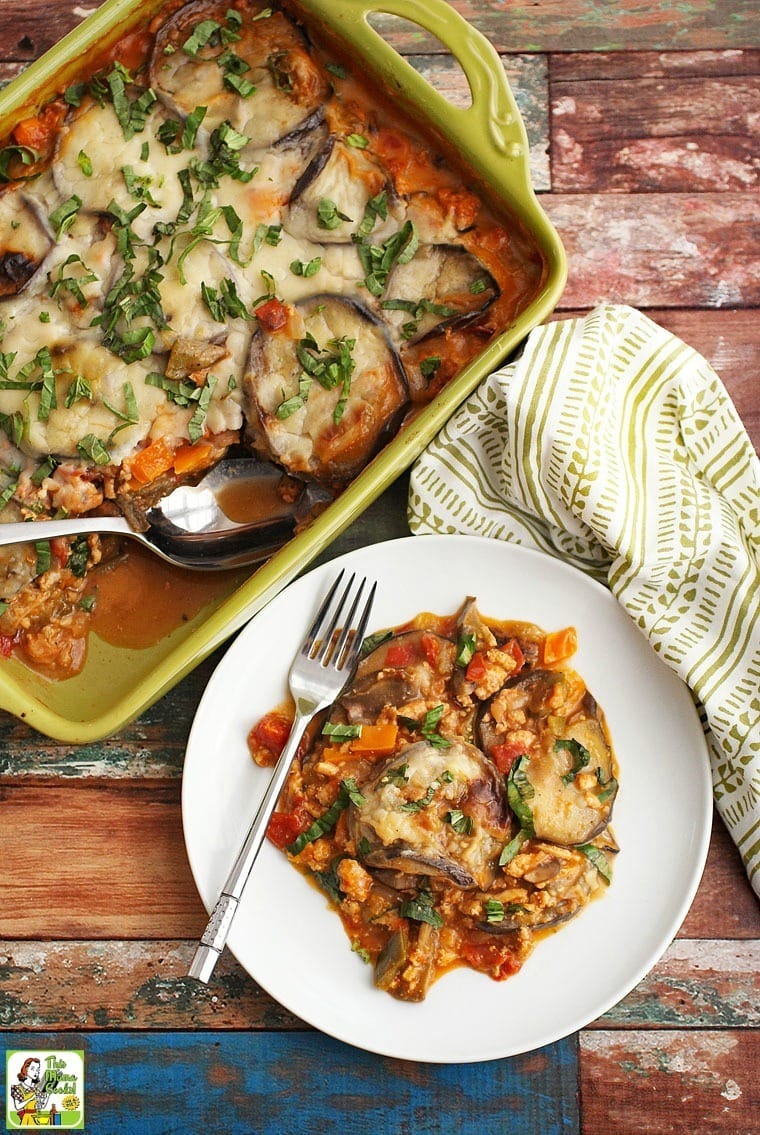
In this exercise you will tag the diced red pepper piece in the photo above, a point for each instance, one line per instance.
(431, 648)
(399, 654)
(476, 668)
(272, 732)
(272, 315)
(505, 755)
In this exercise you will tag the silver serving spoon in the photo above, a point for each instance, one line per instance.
(189, 527)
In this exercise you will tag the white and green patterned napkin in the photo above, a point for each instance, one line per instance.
(613, 445)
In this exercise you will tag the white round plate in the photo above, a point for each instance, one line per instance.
(285, 934)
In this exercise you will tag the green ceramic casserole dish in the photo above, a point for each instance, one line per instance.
(489, 139)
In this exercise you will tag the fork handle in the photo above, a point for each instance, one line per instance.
(214, 937)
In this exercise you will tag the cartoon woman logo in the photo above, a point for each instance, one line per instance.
(30, 1096)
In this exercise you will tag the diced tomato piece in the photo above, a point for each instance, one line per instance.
(60, 549)
(505, 755)
(431, 648)
(494, 958)
(476, 668)
(512, 646)
(285, 827)
(399, 654)
(272, 732)
(272, 315)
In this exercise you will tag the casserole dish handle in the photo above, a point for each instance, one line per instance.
(491, 127)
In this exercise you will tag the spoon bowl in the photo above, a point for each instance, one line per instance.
(190, 527)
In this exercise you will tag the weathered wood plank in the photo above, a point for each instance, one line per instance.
(113, 851)
(583, 25)
(658, 250)
(730, 341)
(142, 985)
(595, 65)
(663, 1083)
(88, 861)
(287, 1083)
(27, 27)
(725, 905)
(642, 134)
(696, 984)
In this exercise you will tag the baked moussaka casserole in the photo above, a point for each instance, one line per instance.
(220, 239)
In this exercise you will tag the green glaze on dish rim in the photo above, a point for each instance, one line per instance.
(117, 684)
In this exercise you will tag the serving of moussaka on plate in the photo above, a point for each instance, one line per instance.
(454, 803)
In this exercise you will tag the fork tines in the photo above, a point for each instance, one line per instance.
(330, 641)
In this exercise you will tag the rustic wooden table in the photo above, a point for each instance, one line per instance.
(643, 120)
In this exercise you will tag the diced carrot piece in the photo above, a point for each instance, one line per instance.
(151, 462)
(377, 739)
(558, 646)
(190, 457)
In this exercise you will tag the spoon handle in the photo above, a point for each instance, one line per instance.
(29, 531)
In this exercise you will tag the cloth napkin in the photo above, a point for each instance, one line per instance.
(613, 445)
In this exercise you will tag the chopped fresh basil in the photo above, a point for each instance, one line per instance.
(397, 776)
(78, 390)
(424, 801)
(337, 70)
(42, 549)
(494, 911)
(85, 163)
(466, 644)
(46, 469)
(225, 305)
(378, 260)
(363, 953)
(580, 754)
(430, 365)
(609, 787)
(329, 215)
(520, 790)
(341, 732)
(347, 794)
(79, 555)
(428, 727)
(306, 268)
(510, 850)
(372, 641)
(421, 909)
(329, 881)
(596, 856)
(92, 449)
(72, 284)
(358, 141)
(459, 821)
(64, 216)
(478, 286)
(197, 423)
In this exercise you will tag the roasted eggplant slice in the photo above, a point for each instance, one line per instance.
(440, 286)
(330, 199)
(434, 811)
(568, 784)
(326, 390)
(25, 241)
(255, 74)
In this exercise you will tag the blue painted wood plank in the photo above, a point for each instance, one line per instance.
(245, 1083)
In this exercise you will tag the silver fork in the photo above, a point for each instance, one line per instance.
(317, 675)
